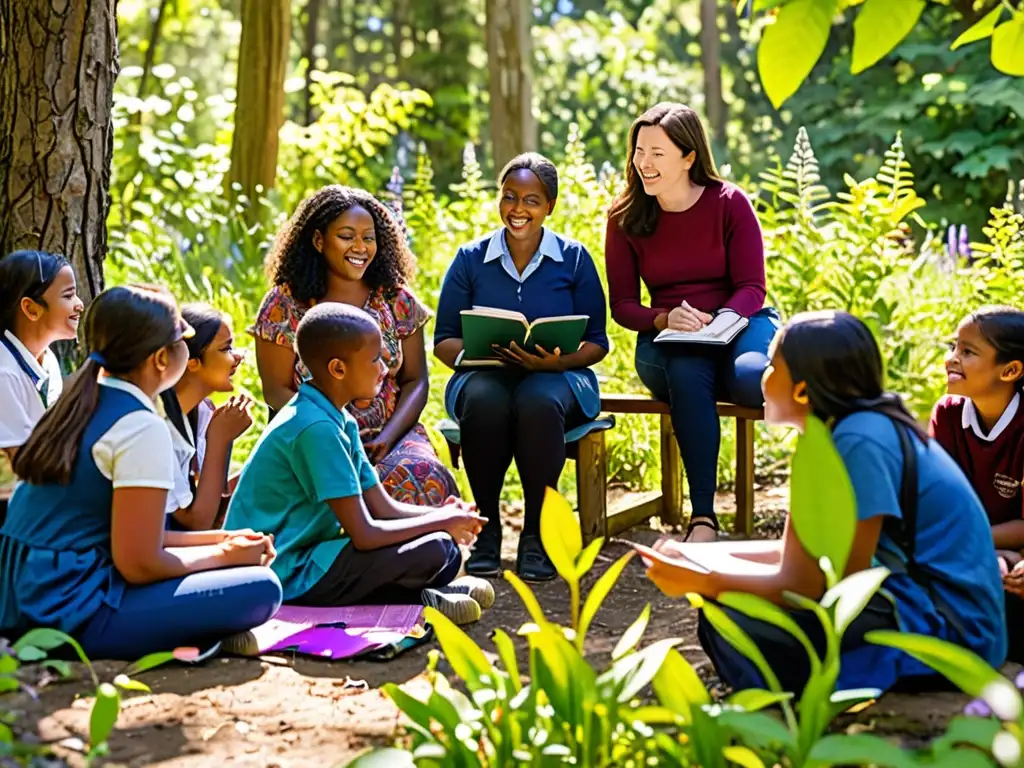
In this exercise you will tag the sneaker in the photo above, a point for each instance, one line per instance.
(479, 589)
(459, 608)
(241, 644)
(533, 563)
(485, 559)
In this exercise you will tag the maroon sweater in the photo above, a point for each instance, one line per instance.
(995, 468)
(711, 256)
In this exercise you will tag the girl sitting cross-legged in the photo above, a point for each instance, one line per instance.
(981, 425)
(202, 434)
(945, 581)
(84, 549)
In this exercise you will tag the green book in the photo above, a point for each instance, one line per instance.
(485, 327)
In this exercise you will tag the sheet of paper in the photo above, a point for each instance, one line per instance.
(291, 620)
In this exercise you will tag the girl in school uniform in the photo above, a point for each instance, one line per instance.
(916, 514)
(84, 548)
(39, 305)
(980, 423)
(201, 433)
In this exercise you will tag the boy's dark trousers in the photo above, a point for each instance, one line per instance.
(389, 575)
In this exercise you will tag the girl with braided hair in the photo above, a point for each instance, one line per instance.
(343, 245)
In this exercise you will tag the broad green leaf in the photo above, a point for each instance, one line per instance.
(1008, 46)
(465, 656)
(860, 749)
(980, 29)
(842, 701)
(104, 714)
(650, 715)
(59, 666)
(678, 686)
(125, 683)
(964, 668)
(561, 673)
(529, 599)
(652, 657)
(755, 699)
(150, 661)
(974, 731)
(46, 639)
(389, 757)
(735, 636)
(560, 533)
(8, 664)
(758, 729)
(758, 608)
(587, 557)
(30, 653)
(963, 758)
(823, 508)
(507, 654)
(852, 594)
(411, 707)
(792, 45)
(8, 684)
(597, 595)
(879, 27)
(631, 637)
(743, 756)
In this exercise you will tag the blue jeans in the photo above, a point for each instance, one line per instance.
(692, 378)
(194, 610)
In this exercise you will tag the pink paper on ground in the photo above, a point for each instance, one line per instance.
(365, 627)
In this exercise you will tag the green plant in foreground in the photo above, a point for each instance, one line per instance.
(33, 647)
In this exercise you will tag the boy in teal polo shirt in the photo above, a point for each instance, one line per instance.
(340, 539)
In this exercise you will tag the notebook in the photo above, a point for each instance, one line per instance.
(725, 327)
(484, 327)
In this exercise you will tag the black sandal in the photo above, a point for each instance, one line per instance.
(710, 522)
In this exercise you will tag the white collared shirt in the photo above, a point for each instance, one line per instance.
(969, 419)
(136, 452)
(21, 400)
(497, 248)
(185, 448)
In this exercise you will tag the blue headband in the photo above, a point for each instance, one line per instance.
(99, 359)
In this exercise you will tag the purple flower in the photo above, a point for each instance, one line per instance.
(964, 248)
(978, 708)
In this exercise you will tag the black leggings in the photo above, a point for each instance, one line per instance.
(506, 414)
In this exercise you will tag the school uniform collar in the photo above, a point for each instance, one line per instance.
(549, 247)
(969, 419)
(318, 398)
(126, 386)
(15, 345)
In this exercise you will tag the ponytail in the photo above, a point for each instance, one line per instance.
(51, 451)
(123, 327)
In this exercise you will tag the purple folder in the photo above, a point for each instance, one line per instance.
(338, 633)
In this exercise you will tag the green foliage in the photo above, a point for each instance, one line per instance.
(33, 647)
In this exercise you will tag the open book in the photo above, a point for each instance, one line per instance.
(485, 327)
(725, 327)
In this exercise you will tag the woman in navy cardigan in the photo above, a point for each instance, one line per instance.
(522, 410)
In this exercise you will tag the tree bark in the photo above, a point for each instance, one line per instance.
(710, 43)
(312, 35)
(510, 74)
(58, 62)
(259, 108)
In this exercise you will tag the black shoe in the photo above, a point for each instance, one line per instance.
(485, 559)
(533, 563)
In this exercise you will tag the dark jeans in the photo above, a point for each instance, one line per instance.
(784, 654)
(194, 610)
(506, 414)
(692, 378)
(1015, 628)
(389, 575)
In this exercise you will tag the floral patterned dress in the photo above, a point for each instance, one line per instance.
(412, 471)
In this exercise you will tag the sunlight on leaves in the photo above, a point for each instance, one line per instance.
(631, 637)
(879, 27)
(792, 45)
(560, 533)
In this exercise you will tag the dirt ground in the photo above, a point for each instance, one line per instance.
(297, 712)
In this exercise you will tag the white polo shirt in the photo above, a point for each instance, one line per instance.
(22, 400)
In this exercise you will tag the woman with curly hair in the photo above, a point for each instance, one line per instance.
(343, 245)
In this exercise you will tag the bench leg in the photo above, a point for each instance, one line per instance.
(592, 486)
(744, 477)
(671, 475)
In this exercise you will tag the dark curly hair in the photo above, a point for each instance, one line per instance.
(294, 262)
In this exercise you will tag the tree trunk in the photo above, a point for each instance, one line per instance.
(58, 62)
(710, 40)
(259, 109)
(309, 54)
(510, 74)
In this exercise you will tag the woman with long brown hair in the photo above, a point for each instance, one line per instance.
(695, 242)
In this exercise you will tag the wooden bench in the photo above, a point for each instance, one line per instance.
(592, 472)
